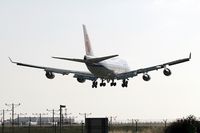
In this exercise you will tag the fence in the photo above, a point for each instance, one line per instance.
(78, 128)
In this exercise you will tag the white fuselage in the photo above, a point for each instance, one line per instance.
(109, 68)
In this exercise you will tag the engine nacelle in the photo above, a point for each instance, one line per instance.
(167, 72)
(81, 80)
(50, 75)
(146, 77)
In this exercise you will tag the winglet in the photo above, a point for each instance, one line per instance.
(10, 60)
(190, 56)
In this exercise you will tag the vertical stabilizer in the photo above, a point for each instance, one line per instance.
(88, 48)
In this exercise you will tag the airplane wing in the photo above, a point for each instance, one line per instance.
(134, 73)
(77, 74)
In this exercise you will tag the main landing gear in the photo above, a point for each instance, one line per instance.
(94, 84)
(124, 83)
(113, 83)
(103, 84)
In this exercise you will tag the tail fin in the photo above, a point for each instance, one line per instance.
(88, 48)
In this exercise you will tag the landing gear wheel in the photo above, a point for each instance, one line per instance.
(94, 84)
(125, 83)
(102, 84)
(113, 84)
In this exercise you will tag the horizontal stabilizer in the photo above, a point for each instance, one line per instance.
(70, 59)
(99, 59)
(91, 60)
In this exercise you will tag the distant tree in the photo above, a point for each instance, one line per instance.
(185, 125)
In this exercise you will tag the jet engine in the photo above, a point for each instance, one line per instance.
(81, 80)
(146, 77)
(50, 75)
(167, 72)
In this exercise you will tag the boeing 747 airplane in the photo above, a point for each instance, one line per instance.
(107, 68)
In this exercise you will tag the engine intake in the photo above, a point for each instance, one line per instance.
(50, 75)
(146, 77)
(167, 72)
(81, 80)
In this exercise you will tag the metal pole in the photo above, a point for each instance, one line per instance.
(40, 119)
(85, 114)
(3, 121)
(18, 119)
(13, 111)
(165, 122)
(60, 117)
(82, 125)
(55, 127)
(12, 108)
(66, 114)
(136, 125)
(132, 122)
(53, 117)
(3, 115)
(13, 118)
(29, 127)
(61, 106)
(111, 121)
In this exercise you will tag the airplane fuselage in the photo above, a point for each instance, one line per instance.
(108, 69)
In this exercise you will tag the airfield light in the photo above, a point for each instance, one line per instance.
(165, 122)
(40, 116)
(3, 119)
(85, 114)
(13, 106)
(72, 118)
(131, 121)
(66, 114)
(53, 115)
(136, 125)
(20, 114)
(61, 106)
(112, 118)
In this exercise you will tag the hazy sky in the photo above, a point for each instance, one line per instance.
(144, 32)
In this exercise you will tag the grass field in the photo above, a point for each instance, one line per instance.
(78, 129)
